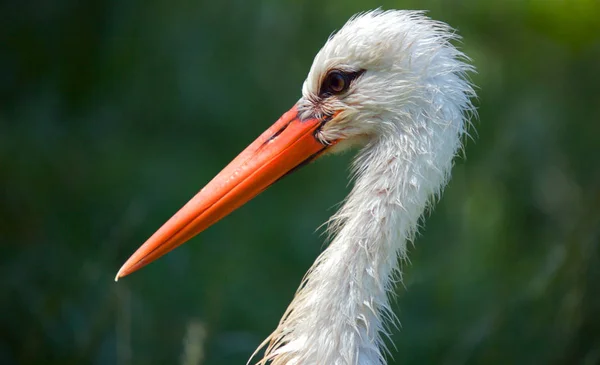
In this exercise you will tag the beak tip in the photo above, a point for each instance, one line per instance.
(120, 274)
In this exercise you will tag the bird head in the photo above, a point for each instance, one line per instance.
(369, 77)
(375, 72)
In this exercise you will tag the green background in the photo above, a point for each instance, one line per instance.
(114, 113)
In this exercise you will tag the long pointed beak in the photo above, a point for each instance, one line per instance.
(286, 145)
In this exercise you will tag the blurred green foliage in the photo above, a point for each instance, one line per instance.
(114, 113)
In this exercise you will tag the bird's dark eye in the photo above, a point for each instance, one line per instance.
(337, 82)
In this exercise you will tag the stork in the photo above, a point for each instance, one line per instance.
(391, 84)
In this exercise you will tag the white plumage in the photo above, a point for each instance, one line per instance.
(407, 112)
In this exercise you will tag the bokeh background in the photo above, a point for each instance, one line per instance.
(114, 113)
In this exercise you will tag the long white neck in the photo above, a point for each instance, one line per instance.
(338, 313)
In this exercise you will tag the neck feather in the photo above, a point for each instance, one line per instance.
(340, 310)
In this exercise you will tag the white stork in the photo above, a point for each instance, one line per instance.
(392, 84)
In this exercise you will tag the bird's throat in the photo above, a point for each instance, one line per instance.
(343, 300)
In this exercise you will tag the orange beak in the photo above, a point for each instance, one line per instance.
(286, 145)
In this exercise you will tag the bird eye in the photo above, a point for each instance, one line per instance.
(337, 82)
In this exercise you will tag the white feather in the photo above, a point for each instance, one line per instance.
(408, 111)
